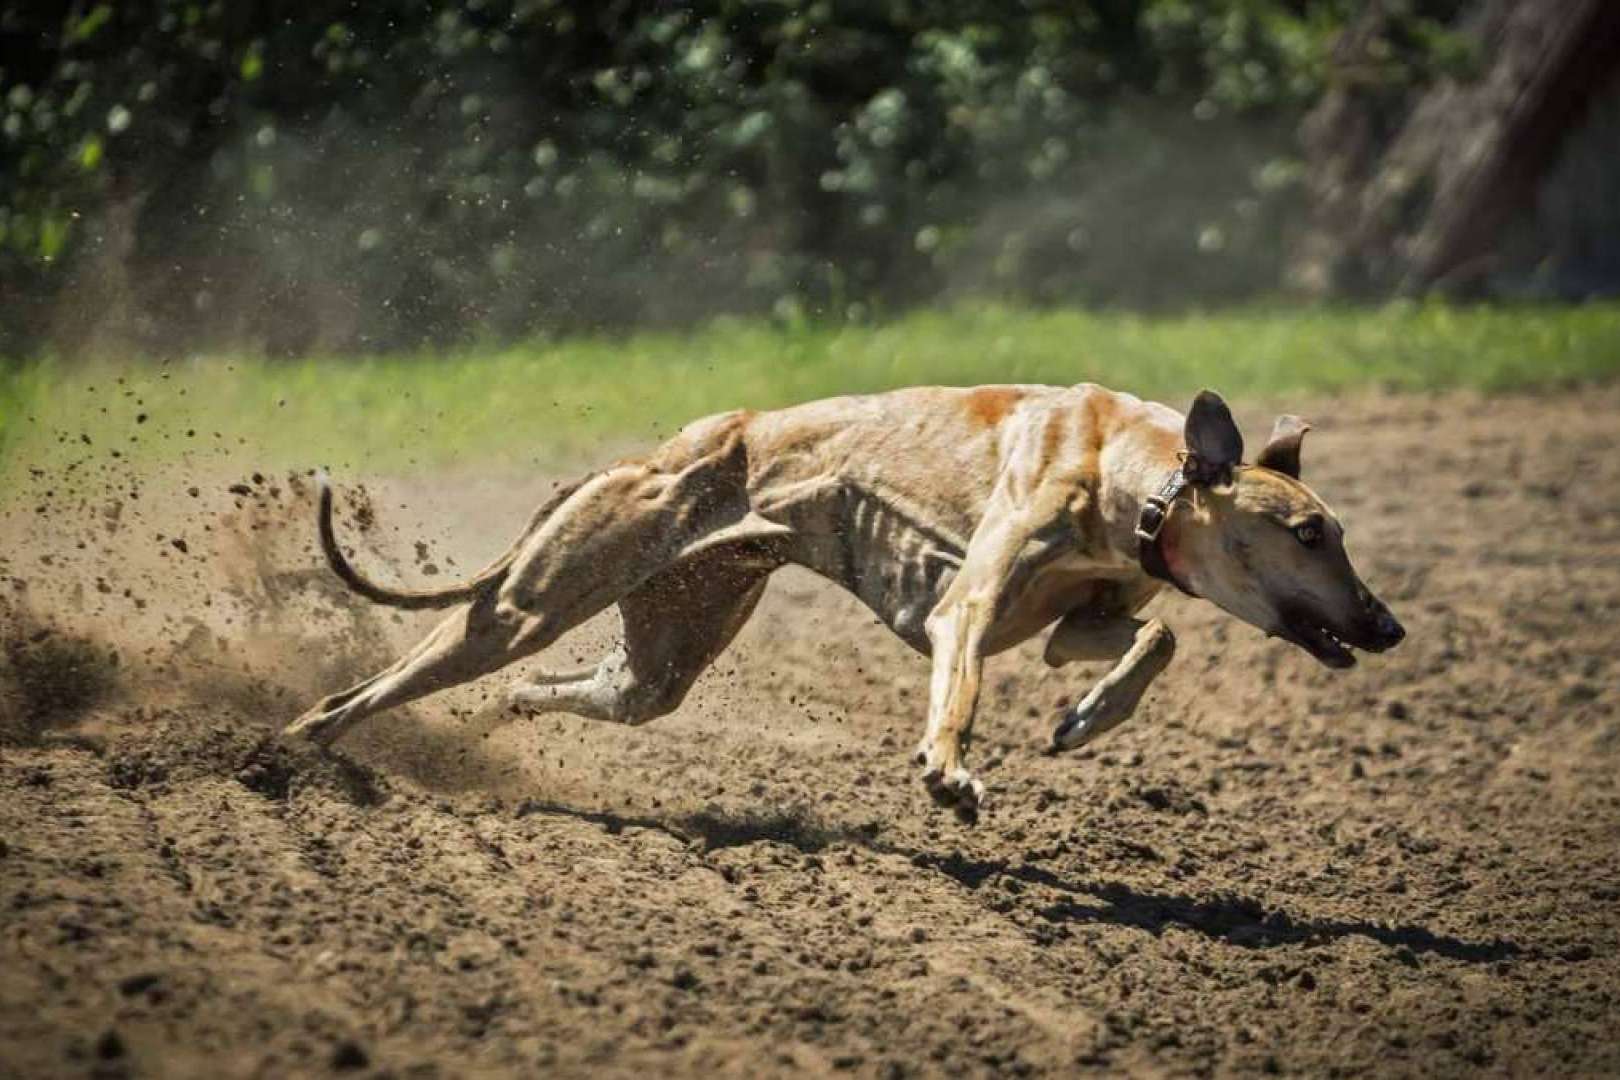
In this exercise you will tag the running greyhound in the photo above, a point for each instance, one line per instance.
(968, 520)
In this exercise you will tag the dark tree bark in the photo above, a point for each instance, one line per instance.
(1421, 204)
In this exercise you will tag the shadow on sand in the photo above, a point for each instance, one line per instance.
(795, 827)
(1237, 920)
(1233, 918)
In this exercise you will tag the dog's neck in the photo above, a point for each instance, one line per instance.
(1125, 494)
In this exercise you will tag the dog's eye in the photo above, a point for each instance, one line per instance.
(1309, 533)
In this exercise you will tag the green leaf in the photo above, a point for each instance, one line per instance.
(84, 29)
(53, 235)
(90, 153)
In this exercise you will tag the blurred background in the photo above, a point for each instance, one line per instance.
(284, 179)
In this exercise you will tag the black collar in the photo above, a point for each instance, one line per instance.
(1150, 523)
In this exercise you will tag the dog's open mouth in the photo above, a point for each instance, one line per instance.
(1319, 641)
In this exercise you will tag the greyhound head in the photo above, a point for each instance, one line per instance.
(1263, 546)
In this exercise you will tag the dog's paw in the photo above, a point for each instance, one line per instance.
(1082, 724)
(957, 789)
(313, 730)
(967, 809)
(1072, 732)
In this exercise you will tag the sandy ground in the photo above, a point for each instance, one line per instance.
(1412, 868)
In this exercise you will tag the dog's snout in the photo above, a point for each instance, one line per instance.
(1388, 627)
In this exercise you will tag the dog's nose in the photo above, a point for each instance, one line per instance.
(1390, 630)
(1386, 629)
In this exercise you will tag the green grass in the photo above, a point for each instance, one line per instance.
(547, 399)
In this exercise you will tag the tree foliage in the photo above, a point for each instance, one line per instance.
(386, 173)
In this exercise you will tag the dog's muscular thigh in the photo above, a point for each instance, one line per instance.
(629, 522)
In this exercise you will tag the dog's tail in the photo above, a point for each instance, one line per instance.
(419, 599)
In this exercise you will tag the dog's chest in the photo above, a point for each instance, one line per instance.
(1048, 585)
(900, 561)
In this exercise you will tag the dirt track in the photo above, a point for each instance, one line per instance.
(1410, 868)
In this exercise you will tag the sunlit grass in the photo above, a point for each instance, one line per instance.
(546, 399)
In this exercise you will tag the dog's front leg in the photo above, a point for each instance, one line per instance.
(1114, 698)
(956, 630)
(956, 635)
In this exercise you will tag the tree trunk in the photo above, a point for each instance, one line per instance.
(1424, 205)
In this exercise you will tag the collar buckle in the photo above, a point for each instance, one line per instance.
(1150, 522)
(1156, 508)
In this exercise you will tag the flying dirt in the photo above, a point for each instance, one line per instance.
(1408, 868)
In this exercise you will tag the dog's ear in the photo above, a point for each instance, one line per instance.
(1213, 440)
(1282, 449)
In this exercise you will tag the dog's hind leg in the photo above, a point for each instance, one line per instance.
(675, 625)
(557, 583)
(1115, 697)
(474, 640)
(623, 527)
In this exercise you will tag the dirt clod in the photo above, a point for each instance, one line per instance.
(138, 983)
(348, 1055)
(110, 1046)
